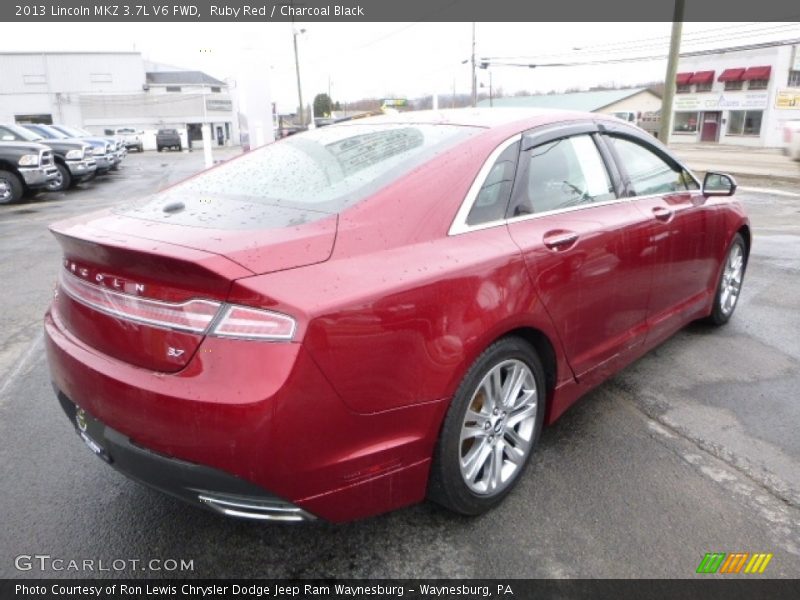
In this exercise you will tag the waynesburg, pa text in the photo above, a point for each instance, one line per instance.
(256, 590)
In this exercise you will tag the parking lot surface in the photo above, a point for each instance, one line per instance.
(692, 449)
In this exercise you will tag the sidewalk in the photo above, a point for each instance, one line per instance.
(739, 160)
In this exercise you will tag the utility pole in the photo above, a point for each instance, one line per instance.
(295, 33)
(474, 75)
(672, 69)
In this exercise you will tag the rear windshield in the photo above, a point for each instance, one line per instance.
(318, 172)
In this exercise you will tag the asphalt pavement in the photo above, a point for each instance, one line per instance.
(692, 449)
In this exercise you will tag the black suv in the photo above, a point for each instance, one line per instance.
(73, 158)
(24, 167)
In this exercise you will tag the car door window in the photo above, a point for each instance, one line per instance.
(492, 199)
(649, 173)
(7, 135)
(561, 174)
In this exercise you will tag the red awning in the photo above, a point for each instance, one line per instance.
(702, 77)
(683, 78)
(756, 73)
(731, 75)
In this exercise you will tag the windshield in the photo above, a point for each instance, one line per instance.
(25, 134)
(322, 171)
(50, 132)
(70, 131)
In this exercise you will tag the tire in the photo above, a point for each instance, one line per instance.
(729, 286)
(480, 432)
(63, 181)
(180, 148)
(159, 148)
(11, 188)
(140, 148)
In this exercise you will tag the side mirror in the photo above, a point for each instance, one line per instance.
(718, 184)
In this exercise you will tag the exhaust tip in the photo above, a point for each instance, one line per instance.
(260, 510)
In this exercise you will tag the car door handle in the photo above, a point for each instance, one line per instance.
(559, 239)
(663, 214)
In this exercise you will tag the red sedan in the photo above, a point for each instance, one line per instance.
(357, 317)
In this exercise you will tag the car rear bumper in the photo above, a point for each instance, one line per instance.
(261, 413)
(202, 486)
(37, 177)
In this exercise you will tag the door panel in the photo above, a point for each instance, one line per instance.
(585, 250)
(681, 231)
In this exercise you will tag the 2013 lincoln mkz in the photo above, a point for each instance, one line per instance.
(361, 316)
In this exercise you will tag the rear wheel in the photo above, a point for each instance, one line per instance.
(730, 282)
(11, 188)
(490, 430)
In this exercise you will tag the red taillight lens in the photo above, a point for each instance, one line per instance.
(193, 315)
(255, 324)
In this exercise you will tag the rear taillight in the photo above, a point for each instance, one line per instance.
(195, 316)
(251, 323)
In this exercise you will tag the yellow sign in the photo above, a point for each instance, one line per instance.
(788, 99)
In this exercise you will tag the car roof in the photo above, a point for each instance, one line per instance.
(489, 118)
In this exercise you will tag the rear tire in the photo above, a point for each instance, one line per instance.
(729, 287)
(11, 188)
(490, 430)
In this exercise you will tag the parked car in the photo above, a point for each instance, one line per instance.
(72, 158)
(102, 149)
(168, 138)
(131, 138)
(791, 139)
(118, 150)
(366, 314)
(25, 167)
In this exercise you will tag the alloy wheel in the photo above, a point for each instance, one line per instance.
(732, 280)
(498, 428)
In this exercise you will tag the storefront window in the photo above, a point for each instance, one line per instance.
(704, 87)
(683, 88)
(684, 122)
(758, 84)
(733, 85)
(794, 79)
(744, 122)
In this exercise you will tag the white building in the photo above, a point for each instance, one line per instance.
(738, 96)
(105, 90)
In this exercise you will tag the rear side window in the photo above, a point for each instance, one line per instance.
(648, 172)
(492, 199)
(561, 174)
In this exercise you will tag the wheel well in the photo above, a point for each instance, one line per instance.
(7, 166)
(544, 348)
(744, 231)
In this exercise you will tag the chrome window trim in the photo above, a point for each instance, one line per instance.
(459, 224)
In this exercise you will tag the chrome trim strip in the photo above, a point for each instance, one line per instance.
(263, 512)
(459, 224)
(65, 282)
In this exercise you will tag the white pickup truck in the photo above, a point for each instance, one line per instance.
(132, 138)
(791, 139)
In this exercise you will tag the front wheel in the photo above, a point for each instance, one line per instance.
(62, 181)
(11, 188)
(490, 430)
(730, 282)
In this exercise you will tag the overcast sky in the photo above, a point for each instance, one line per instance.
(399, 59)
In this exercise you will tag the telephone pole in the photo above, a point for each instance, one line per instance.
(295, 33)
(474, 75)
(672, 68)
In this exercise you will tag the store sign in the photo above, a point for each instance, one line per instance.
(218, 104)
(723, 101)
(789, 99)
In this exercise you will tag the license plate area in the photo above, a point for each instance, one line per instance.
(91, 431)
